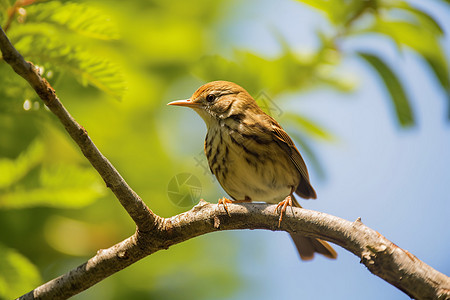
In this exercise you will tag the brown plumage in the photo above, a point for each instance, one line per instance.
(252, 157)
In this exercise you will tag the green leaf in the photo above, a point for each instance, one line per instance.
(443, 78)
(420, 39)
(440, 73)
(4, 5)
(398, 96)
(309, 127)
(17, 274)
(413, 15)
(322, 5)
(287, 72)
(79, 18)
(87, 69)
(426, 20)
(409, 34)
(12, 171)
(421, 33)
(67, 38)
(64, 186)
(342, 12)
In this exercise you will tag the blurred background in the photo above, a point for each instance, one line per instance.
(361, 86)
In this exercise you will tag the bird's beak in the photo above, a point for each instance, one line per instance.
(186, 102)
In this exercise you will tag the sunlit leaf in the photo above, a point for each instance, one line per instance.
(88, 69)
(308, 126)
(341, 12)
(286, 72)
(398, 95)
(426, 20)
(408, 34)
(84, 238)
(4, 4)
(322, 5)
(420, 39)
(13, 170)
(443, 77)
(62, 37)
(80, 18)
(64, 186)
(414, 28)
(412, 14)
(17, 274)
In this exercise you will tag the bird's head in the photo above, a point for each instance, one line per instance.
(217, 100)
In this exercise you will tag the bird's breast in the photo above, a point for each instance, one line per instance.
(249, 165)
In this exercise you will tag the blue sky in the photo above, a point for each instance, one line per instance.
(397, 181)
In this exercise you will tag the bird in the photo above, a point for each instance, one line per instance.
(251, 155)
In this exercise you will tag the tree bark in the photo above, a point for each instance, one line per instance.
(382, 257)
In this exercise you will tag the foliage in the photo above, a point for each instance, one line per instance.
(51, 197)
(407, 26)
(395, 88)
(62, 38)
(18, 273)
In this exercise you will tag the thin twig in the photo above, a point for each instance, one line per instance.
(13, 10)
(136, 208)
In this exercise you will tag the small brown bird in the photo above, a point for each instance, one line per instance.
(252, 157)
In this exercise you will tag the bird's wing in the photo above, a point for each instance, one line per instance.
(282, 138)
(286, 143)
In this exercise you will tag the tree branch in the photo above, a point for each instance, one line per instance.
(136, 208)
(382, 257)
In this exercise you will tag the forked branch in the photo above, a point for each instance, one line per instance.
(136, 208)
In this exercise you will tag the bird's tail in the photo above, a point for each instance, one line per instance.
(307, 246)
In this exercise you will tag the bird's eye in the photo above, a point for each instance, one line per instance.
(210, 98)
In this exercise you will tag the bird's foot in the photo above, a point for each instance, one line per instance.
(224, 201)
(283, 204)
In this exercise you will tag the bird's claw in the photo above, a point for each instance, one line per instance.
(283, 204)
(224, 201)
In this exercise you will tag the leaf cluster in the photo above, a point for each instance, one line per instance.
(409, 27)
(62, 38)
